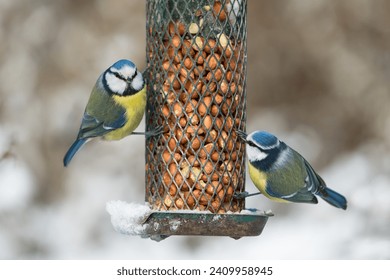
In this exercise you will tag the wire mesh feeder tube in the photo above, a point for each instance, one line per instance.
(197, 92)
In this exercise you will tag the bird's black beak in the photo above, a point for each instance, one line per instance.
(242, 135)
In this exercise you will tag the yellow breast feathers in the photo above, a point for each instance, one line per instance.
(259, 178)
(135, 108)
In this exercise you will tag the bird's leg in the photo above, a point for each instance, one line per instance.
(244, 195)
(154, 132)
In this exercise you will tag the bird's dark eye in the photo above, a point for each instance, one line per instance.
(250, 143)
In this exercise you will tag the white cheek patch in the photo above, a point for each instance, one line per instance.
(138, 82)
(283, 157)
(255, 154)
(116, 85)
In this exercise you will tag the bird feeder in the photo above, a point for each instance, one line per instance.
(196, 55)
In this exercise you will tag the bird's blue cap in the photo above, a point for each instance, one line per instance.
(120, 63)
(264, 139)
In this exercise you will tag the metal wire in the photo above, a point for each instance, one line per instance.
(196, 90)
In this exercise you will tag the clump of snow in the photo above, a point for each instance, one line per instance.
(253, 211)
(216, 218)
(174, 225)
(128, 218)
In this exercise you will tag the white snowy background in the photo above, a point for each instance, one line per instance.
(318, 77)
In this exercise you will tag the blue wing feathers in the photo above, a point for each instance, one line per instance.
(93, 127)
(318, 186)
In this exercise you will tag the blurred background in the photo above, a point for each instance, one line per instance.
(318, 77)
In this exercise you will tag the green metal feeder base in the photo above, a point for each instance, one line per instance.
(162, 224)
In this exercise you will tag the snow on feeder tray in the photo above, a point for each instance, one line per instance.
(196, 54)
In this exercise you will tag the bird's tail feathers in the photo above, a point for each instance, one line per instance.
(333, 198)
(73, 150)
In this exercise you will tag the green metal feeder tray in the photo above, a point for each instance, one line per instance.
(162, 224)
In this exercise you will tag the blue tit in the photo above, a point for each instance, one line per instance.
(282, 174)
(115, 107)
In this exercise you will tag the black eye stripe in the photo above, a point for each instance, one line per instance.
(135, 74)
(252, 144)
(119, 76)
(116, 74)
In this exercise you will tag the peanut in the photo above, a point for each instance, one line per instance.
(172, 190)
(166, 156)
(188, 63)
(195, 144)
(181, 28)
(198, 43)
(168, 201)
(194, 28)
(179, 203)
(208, 168)
(176, 41)
(212, 61)
(166, 178)
(207, 122)
(190, 200)
(219, 11)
